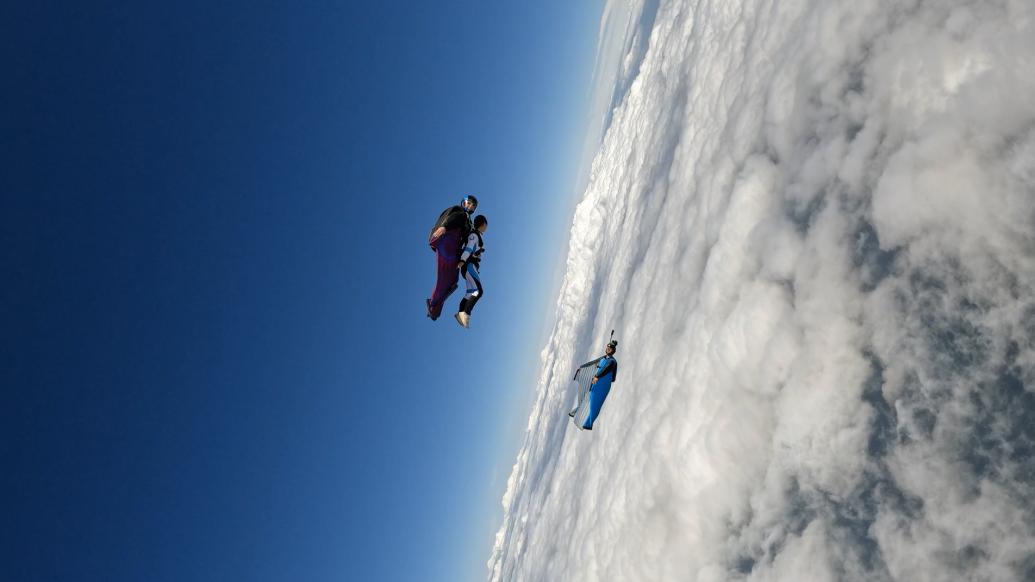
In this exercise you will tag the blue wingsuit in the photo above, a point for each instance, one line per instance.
(607, 372)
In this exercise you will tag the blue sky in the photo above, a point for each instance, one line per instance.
(215, 351)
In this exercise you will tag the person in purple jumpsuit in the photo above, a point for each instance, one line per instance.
(452, 226)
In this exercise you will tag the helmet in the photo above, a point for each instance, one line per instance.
(613, 344)
(470, 198)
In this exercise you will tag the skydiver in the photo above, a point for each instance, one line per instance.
(470, 264)
(607, 372)
(452, 226)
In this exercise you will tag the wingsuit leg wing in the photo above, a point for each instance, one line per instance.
(447, 253)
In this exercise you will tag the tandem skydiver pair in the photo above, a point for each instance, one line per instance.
(454, 226)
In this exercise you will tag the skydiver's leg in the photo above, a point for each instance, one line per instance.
(596, 402)
(466, 278)
(447, 249)
(474, 288)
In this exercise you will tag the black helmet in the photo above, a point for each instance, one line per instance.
(613, 344)
(470, 198)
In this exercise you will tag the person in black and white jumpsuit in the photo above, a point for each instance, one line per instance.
(470, 262)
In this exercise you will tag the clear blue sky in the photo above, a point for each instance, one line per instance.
(215, 360)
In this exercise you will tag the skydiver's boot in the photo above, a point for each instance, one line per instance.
(463, 319)
(433, 310)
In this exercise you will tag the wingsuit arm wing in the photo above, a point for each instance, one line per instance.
(457, 217)
(441, 221)
(586, 365)
(452, 217)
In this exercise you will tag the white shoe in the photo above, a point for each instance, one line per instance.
(463, 319)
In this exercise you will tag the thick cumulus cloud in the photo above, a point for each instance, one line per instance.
(812, 223)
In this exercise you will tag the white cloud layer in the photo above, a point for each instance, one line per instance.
(812, 223)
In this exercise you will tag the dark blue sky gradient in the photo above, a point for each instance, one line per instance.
(215, 356)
